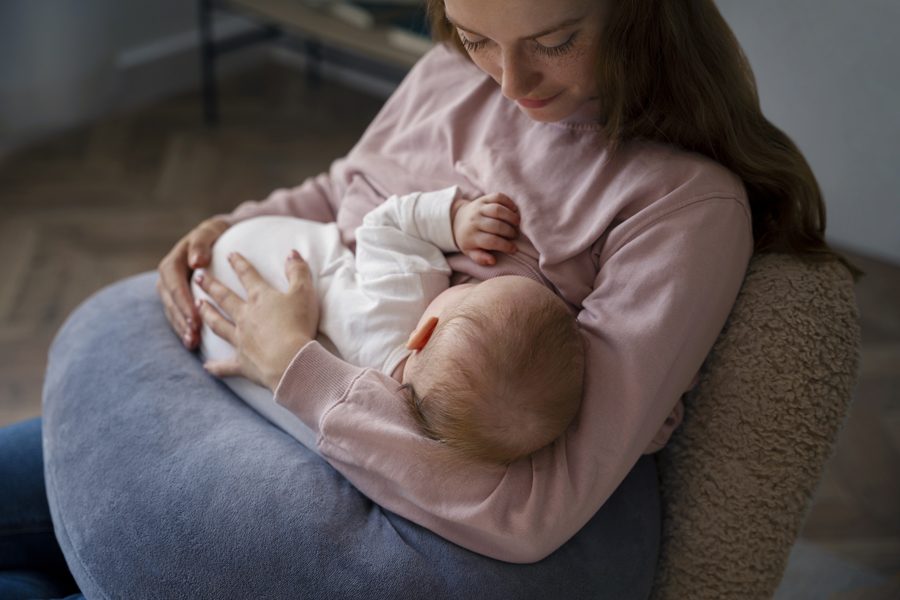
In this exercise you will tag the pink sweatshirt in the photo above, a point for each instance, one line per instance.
(648, 246)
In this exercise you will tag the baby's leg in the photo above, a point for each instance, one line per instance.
(266, 243)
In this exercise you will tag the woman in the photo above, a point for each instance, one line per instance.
(630, 136)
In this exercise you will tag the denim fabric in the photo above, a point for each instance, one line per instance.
(31, 563)
(163, 484)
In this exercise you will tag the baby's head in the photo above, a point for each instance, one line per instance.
(497, 371)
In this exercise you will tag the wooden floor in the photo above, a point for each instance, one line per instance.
(88, 207)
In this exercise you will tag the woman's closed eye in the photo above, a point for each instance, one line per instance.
(469, 44)
(546, 47)
(555, 47)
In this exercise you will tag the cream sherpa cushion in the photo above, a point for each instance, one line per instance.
(739, 474)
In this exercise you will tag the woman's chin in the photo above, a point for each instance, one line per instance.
(559, 110)
(545, 114)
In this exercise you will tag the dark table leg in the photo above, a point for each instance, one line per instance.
(208, 63)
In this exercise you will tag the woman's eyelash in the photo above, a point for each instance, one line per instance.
(470, 45)
(559, 50)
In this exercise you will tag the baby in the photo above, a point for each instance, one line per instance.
(496, 370)
(492, 369)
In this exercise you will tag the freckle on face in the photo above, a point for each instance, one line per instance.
(569, 78)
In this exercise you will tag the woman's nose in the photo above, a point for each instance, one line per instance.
(519, 78)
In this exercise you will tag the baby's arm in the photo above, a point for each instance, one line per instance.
(487, 223)
(399, 267)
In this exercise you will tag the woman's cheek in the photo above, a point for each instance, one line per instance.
(491, 67)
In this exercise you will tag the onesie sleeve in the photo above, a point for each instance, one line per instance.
(407, 233)
(399, 269)
(662, 293)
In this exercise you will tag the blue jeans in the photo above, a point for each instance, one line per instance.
(31, 562)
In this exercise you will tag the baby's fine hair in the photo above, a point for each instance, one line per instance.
(499, 382)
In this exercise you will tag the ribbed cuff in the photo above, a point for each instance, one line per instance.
(432, 214)
(314, 382)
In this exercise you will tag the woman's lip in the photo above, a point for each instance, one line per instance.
(525, 102)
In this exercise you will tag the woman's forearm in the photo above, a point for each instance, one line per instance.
(364, 431)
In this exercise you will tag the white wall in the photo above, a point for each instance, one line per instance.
(828, 75)
(57, 62)
(67, 61)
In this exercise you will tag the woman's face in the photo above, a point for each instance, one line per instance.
(542, 53)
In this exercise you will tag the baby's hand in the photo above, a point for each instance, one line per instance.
(487, 223)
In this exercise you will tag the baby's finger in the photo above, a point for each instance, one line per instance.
(481, 257)
(497, 227)
(224, 368)
(221, 326)
(488, 241)
(495, 210)
(504, 200)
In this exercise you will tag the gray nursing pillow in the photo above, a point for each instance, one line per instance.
(163, 484)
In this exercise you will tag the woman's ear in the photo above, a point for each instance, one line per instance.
(420, 336)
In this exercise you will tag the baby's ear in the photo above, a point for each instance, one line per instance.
(421, 334)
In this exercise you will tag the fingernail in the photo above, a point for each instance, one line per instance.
(198, 303)
(190, 321)
(200, 277)
(187, 339)
(194, 259)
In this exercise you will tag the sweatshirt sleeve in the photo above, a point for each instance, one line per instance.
(661, 296)
(316, 199)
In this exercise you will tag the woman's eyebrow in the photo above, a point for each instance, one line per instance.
(557, 27)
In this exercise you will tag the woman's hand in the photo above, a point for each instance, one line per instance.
(487, 223)
(191, 252)
(269, 328)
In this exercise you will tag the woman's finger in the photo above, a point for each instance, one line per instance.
(499, 211)
(229, 302)
(173, 286)
(187, 335)
(296, 270)
(247, 273)
(224, 368)
(302, 294)
(183, 327)
(199, 254)
(201, 240)
(221, 326)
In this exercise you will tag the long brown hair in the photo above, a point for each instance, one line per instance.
(672, 71)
